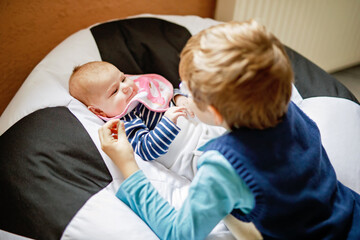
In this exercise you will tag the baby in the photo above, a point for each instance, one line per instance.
(107, 92)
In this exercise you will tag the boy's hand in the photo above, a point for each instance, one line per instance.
(174, 112)
(116, 145)
(182, 101)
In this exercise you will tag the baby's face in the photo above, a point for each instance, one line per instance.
(113, 92)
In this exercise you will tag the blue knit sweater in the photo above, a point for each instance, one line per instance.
(295, 187)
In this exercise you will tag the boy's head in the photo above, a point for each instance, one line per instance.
(102, 88)
(241, 70)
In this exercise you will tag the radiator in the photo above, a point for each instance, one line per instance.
(325, 31)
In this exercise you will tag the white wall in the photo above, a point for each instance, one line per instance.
(325, 31)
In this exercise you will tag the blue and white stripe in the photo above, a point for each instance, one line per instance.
(150, 133)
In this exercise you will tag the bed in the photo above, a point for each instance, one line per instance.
(55, 181)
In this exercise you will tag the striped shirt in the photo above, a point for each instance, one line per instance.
(150, 133)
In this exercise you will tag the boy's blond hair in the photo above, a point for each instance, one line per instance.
(240, 69)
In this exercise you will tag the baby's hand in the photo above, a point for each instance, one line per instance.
(182, 101)
(174, 112)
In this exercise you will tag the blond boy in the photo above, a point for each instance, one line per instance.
(270, 168)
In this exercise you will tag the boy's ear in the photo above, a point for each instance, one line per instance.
(218, 118)
(96, 111)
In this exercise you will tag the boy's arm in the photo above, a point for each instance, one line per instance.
(214, 192)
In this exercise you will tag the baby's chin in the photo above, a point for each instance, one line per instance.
(112, 115)
(133, 94)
